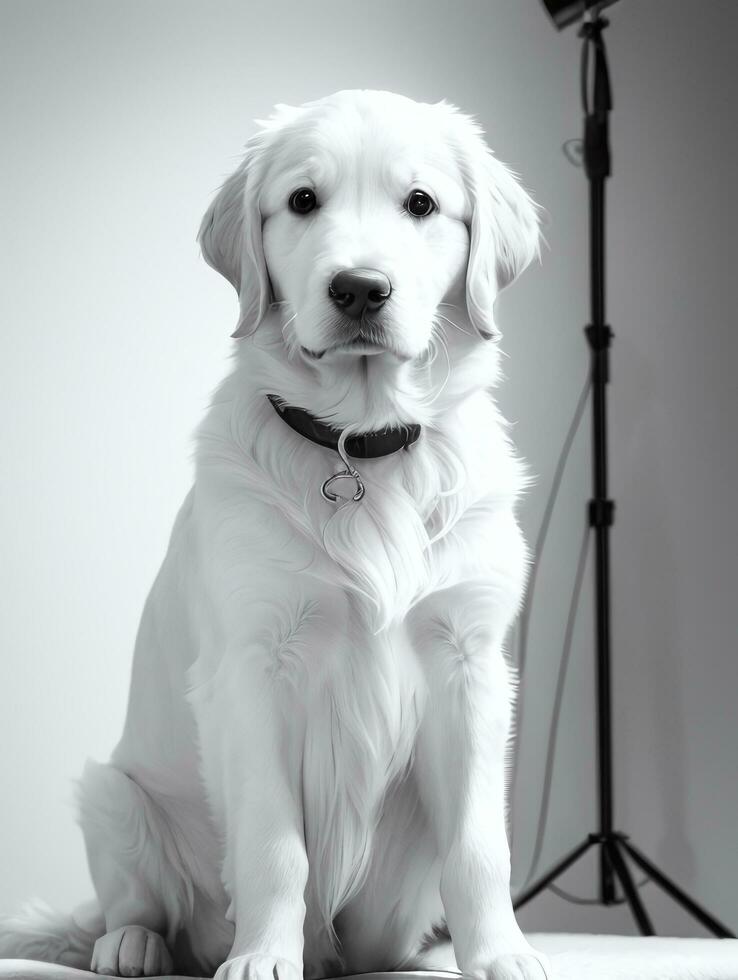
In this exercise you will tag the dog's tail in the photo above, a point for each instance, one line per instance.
(39, 932)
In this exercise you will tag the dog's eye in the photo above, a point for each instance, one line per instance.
(420, 204)
(303, 200)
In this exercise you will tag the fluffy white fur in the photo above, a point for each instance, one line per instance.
(312, 769)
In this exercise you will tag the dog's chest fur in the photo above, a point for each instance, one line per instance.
(359, 736)
(352, 693)
(336, 584)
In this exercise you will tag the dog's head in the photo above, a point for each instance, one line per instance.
(362, 213)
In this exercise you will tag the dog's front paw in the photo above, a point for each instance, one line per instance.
(131, 951)
(258, 966)
(527, 965)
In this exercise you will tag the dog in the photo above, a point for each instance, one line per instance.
(311, 777)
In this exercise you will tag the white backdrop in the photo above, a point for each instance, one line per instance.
(119, 120)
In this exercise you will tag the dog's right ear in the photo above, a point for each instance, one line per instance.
(230, 239)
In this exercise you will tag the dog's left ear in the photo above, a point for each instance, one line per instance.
(230, 239)
(504, 237)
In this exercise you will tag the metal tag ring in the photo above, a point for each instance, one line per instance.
(343, 475)
(350, 473)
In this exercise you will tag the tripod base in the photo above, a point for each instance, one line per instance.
(614, 847)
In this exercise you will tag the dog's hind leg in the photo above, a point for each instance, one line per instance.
(143, 887)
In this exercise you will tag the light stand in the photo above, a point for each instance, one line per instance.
(613, 845)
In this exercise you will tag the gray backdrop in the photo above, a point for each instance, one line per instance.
(119, 120)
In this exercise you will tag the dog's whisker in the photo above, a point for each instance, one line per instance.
(454, 324)
(437, 341)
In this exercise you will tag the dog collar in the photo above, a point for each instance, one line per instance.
(363, 445)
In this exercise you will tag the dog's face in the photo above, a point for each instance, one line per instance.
(361, 214)
(370, 186)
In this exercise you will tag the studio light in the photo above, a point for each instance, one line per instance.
(614, 847)
(565, 12)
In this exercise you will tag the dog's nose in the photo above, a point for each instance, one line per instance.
(357, 290)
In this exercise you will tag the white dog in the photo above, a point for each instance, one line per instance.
(312, 771)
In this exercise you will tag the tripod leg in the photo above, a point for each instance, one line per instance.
(707, 920)
(554, 873)
(631, 892)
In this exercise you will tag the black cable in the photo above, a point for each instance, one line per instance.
(546, 521)
(556, 711)
(573, 150)
(521, 628)
(574, 899)
(578, 900)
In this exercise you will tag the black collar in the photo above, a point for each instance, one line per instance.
(365, 445)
